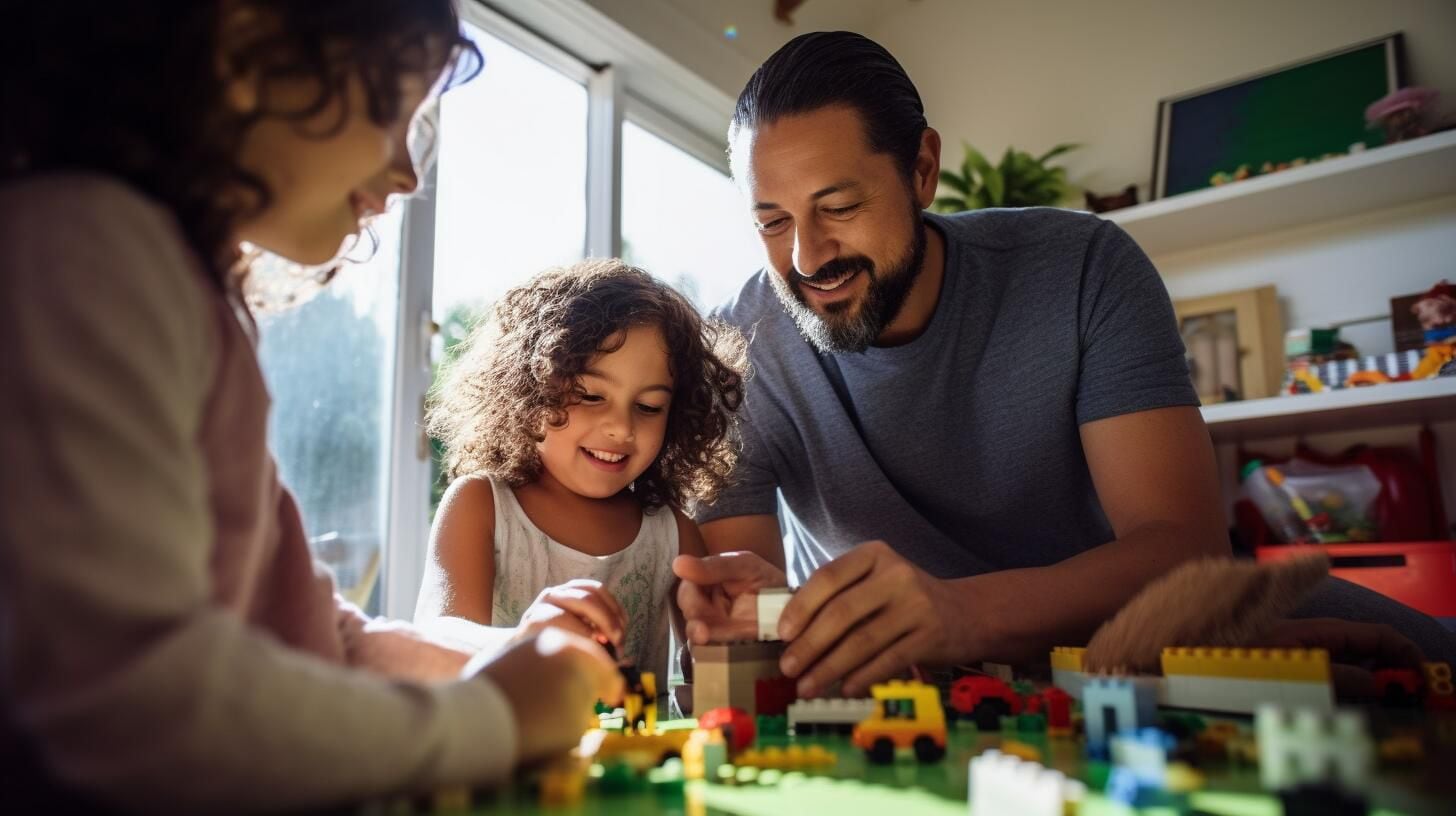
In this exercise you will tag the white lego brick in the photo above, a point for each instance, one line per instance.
(1070, 681)
(1307, 745)
(771, 603)
(831, 711)
(1004, 784)
(1239, 695)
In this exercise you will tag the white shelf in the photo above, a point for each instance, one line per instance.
(1406, 403)
(1374, 179)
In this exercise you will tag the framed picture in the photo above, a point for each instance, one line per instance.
(1234, 343)
(1292, 115)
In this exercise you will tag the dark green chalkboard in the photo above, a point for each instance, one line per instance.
(1302, 111)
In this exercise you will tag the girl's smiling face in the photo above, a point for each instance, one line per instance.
(327, 172)
(615, 430)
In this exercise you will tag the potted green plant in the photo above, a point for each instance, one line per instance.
(1019, 180)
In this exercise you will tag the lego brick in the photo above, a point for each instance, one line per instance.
(829, 712)
(1306, 665)
(1304, 746)
(1000, 784)
(772, 695)
(771, 603)
(1243, 696)
(726, 674)
(1070, 680)
(1144, 753)
(1068, 658)
(1112, 704)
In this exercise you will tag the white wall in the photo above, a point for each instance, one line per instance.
(1032, 73)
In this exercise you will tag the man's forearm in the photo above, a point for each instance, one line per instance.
(1022, 613)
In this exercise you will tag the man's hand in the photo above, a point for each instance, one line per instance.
(582, 606)
(867, 616)
(718, 595)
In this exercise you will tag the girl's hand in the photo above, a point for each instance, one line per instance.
(582, 606)
(551, 681)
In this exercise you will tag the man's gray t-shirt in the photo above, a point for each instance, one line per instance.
(960, 448)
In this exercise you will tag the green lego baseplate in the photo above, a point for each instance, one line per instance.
(907, 788)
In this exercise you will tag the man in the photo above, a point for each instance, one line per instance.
(996, 404)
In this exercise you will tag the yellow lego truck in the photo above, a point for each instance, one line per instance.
(907, 715)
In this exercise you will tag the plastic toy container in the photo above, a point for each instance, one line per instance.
(1421, 575)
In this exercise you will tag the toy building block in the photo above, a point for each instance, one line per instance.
(1020, 749)
(1144, 753)
(737, 726)
(1440, 692)
(820, 715)
(772, 695)
(724, 673)
(642, 750)
(1398, 688)
(771, 603)
(1000, 783)
(906, 715)
(1057, 705)
(983, 699)
(1240, 680)
(1112, 704)
(1308, 746)
(1067, 671)
(792, 758)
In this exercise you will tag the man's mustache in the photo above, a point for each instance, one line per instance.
(835, 268)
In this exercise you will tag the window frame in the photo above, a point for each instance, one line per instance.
(629, 80)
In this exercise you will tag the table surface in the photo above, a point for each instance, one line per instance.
(908, 788)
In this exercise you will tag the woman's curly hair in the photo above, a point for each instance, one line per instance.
(138, 91)
(517, 374)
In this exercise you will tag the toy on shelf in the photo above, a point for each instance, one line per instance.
(1001, 783)
(1401, 114)
(907, 714)
(1306, 502)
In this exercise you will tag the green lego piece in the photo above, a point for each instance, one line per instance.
(773, 725)
(1031, 722)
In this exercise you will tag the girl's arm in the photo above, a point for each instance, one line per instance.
(458, 590)
(456, 595)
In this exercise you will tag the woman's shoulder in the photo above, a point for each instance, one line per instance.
(59, 200)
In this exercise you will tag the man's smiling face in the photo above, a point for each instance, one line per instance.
(840, 224)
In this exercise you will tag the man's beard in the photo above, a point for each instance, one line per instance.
(841, 328)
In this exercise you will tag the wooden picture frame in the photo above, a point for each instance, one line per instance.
(1234, 344)
(1302, 111)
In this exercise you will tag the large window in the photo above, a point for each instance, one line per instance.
(684, 221)
(329, 367)
(526, 176)
(511, 190)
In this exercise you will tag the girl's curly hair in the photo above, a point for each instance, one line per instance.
(517, 373)
(137, 91)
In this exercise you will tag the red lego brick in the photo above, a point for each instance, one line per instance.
(772, 695)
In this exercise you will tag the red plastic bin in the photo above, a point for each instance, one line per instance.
(1421, 575)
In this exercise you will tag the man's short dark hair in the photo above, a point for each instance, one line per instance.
(825, 68)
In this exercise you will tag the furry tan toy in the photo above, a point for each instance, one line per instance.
(1215, 602)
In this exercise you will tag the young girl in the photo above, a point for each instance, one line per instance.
(167, 643)
(580, 420)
